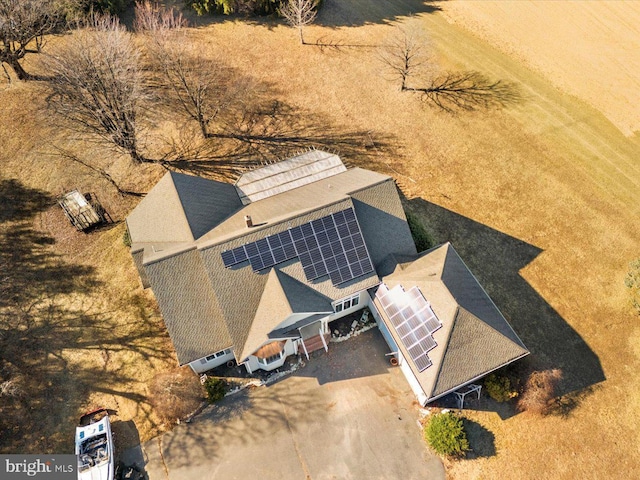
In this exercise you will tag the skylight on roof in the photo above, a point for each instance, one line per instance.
(288, 174)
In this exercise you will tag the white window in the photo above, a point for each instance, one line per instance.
(271, 359)
(213, 356)
(347, 303)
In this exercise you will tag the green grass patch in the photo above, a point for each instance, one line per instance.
(421, 236)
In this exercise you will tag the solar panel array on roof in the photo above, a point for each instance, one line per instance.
(331, 245)
(413, 320)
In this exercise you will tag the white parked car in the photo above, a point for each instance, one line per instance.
(94, 447)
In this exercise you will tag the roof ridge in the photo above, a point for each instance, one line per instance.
(444, 354)
(297, 283)
(486, 296)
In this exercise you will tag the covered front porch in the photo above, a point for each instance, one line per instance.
(312, 334)
(301, 338)
(313, 337)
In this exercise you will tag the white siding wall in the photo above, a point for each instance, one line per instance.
(362, 302)
(413, 381)
(202, 365)
(404, 366)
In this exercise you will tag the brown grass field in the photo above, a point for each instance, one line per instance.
(541, 199)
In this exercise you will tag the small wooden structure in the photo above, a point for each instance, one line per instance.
(83, 211)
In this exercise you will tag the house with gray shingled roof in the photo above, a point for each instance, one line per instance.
(256, 271)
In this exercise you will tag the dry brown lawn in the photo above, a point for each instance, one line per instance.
(587, 49)
(542, 199)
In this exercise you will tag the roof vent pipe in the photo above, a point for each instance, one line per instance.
(248, 221)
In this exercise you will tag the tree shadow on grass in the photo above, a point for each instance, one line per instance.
(274, 130)
(346, 13)
(564, 405)
(496, 260)
(332, 13)
(482, 442)
(51, 330)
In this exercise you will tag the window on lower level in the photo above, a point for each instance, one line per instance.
(271, 359)
(213, 356)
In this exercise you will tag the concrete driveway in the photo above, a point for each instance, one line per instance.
(346, 415)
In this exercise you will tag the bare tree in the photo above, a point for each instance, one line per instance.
(201, 87)
(152, 17)
(97, 84)
(407, 61)
(405, 56)
(298, 13)
(23, 25)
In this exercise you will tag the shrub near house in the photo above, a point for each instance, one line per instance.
(446, 435)
(216, 388)
(499, 387)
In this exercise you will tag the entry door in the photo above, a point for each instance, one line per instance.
(312, 329)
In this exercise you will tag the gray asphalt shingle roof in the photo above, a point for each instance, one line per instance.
(474, 349)
(475, 338)
(186, 299)
(181, 208)
(294, 203)
(281, 297)
(185, 223)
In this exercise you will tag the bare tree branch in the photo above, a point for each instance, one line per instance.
(203, 88)
(23, 25)
(405, 56)
(299, 13)
(98, 86)
(66, 154)
(151, 17)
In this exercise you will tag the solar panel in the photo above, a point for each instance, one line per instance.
(331, 245)
(413, 319)
(423, 362)
(228, 258)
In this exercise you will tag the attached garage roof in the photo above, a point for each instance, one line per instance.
(475, 338)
